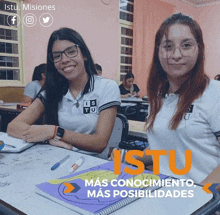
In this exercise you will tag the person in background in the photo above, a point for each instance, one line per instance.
(38, 80)
(127, 88)
(217, 77)
(184, 102)
(80, 107)
(98, 69)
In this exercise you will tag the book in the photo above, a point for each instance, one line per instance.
(88, 199)
(22, 106)
(8, 104)
(12, 144)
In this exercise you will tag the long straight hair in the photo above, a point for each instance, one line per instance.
(57, 85)
(158, 85)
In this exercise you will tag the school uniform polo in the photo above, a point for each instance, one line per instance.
(32, 89)
(197, 131)
(84, 118)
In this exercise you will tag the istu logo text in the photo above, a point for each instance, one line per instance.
(89, 106)
(156, 161)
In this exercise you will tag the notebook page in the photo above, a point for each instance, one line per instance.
(10, 141)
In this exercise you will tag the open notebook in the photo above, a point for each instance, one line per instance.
(71, 191)
(12, 144)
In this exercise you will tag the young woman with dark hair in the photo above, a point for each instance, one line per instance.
(80, 107)
(127, 88)
(184, 102)
(38, 80)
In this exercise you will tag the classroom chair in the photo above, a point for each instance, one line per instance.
(119, 134)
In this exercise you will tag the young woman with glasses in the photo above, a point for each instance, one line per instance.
(184, 102)
(79, 106)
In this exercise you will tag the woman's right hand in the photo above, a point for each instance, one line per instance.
(128, 95)
(38, 133)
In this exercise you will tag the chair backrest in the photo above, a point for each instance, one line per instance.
(119, 134)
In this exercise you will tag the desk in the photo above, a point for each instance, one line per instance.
(21, 172)
(7, 114)
(134, 100)
(134, 108)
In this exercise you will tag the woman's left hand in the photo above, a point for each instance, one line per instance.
(38, 133)
(60, 143)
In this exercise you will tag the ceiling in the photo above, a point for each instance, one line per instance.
(200, 3)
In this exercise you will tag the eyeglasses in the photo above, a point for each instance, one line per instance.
(186, 48)
(70, 52)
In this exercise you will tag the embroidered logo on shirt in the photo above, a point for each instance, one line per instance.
(190, 110)
(89, 106)
(188, 113)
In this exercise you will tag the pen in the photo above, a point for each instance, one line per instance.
(76, 165)
(60, 162)
(10, 146)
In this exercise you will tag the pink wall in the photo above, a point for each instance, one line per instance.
(208, 18)
(98, 24)
(148, 16)
(95, 21)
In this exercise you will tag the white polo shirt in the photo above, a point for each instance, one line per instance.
(32, 89)
(197, 131)
(84, 118)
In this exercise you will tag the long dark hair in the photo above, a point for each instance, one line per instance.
(129, 75)
(158, 84)
(57, 85)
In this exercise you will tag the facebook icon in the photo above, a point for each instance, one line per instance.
(13, 20)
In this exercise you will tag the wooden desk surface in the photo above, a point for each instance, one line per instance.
(9, 107)
(136, 126)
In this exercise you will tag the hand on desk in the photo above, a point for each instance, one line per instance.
(37, 133)
(60, 144)
(128, 95)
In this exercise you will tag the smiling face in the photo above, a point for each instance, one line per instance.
(71, 68)
(178, 52)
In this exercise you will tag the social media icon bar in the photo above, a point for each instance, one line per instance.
(46, 19)
(13, 20)
(30, 20)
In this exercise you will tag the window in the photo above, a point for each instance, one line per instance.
(10, 44)
(126, 9)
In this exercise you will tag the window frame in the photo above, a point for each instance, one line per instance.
(128, 25)
(19, 42)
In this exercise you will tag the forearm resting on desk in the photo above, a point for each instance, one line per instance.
(86, 142)
(30, 133)
(94, 142)
(16, 128)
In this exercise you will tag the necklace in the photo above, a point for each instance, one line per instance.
(77, 103)
(77, 100)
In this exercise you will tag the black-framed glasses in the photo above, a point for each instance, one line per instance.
(70, 52)
(186, 48)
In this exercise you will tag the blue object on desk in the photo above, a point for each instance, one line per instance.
(56, 165)
(1, 145)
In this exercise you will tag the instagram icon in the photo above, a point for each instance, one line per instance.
(29, 19)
